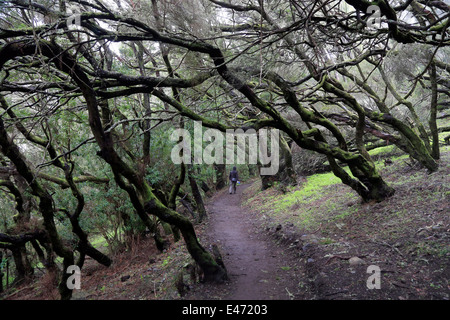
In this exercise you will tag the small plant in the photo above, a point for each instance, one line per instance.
(326, 241)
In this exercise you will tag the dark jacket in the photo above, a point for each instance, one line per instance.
(234, 175)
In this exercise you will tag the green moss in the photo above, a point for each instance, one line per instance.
(381, 150)
(307, 205)
(325, 241)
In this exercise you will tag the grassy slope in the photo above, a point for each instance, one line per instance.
(407, 236)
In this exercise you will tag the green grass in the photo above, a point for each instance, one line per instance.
(310, 191)
(315, 183)
(305, 206)
(98, 241)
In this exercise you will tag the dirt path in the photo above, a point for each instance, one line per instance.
(258, 269)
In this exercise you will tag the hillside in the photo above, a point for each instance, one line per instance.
(336, 237)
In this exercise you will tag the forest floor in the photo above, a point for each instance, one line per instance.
(312, 241)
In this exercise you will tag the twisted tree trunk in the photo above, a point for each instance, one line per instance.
(67, 64)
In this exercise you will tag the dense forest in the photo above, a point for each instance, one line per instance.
(91, 92)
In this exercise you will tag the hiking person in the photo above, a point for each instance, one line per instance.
(233, 180)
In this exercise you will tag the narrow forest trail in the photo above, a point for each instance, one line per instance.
(257, 268)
